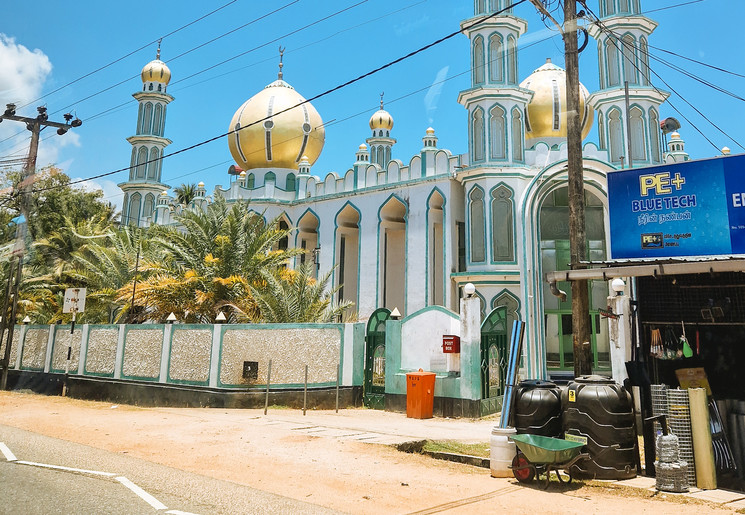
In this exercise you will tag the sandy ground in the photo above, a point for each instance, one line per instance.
(278, 454)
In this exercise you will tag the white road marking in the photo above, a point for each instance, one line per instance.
(7, 452)
(177, 512)
(152, 501)
(66, 469)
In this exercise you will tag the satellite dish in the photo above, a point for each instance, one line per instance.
(669, 125)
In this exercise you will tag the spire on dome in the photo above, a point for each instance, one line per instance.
(157, 54)
(381, 99)
(281, 53)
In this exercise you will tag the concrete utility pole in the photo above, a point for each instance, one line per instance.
(35, 125)
(577, 233)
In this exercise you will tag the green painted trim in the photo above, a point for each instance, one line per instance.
(455, 275)
(426, 309)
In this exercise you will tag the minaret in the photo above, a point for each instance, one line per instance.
(676, 149)
(144, 186)
(381, 143)
(495, 101)
(622, 35)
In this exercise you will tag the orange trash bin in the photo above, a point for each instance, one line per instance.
(420, 394)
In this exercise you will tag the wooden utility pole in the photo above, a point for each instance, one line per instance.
(577, 233)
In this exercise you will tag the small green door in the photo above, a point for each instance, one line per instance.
(493, 360)
(374, 386)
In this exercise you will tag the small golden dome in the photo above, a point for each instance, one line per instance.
(156, 71)
(164, 193)
(275, 128)
(546, 112)
(363, 147)
(430, 131)
(243, 173)
(201, 184)
(675, 135)
(381, 119)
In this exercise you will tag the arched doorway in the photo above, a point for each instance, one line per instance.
(554, 237)
(374, 385)
(493, 360)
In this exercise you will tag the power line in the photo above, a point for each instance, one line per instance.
(479, 21)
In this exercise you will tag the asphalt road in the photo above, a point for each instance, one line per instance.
(31, 488)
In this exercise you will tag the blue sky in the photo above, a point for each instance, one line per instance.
(46, 44)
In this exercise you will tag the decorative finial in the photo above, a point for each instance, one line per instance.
(381, 99)
(281, 53)
(157, 54)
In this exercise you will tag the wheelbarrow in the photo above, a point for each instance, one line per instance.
(538, 455)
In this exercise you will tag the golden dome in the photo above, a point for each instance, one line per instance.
(295, 131)
(363, 147)
(381, 119)
(548, 84)
(156, 71)
(430, 131)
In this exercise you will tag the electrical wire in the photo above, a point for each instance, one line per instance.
(477, 22)
(615, 40)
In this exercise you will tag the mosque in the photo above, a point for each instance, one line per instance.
(408, 232)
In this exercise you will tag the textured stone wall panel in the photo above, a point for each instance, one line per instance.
(190, 355)
(35, 349)
(59, 352)
(142, 350)
(13, 347)
(289, 349)
(101, 353)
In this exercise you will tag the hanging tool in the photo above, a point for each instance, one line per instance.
(687, 351)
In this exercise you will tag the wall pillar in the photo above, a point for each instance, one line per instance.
(470, 348)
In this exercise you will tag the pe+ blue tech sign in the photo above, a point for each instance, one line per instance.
(693, 208)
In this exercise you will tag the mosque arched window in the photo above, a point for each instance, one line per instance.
(152, 166)
(496, 59)
(511, 60)
(133, 164)
(517, 136)
(615, 133)
(644, 50)
(478, 60)
(150, 87)
(387, 157)
(147, 119)
(147, 209)
(624, 6)
(290, 185)
(608, 7)
(601, 132)
(611, 62)
(250, 181)
(478, 226)
(654, 136)
(158, 120)
(270, 177)
(140, 114)
(629, 59)
(480, 6)
(141, 160)
(477, 134)
(503, 248)
(134, 210)
(497, 135)
(159, 87)
(638, 141)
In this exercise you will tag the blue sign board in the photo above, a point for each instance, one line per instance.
(693, 208)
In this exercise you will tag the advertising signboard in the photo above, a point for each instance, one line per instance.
(693, 208)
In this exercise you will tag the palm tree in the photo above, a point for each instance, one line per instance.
(209, 264)
(185, 194)
(294, 296)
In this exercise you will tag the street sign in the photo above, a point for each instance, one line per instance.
(74, 300)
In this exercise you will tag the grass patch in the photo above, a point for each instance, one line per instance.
(481, 450)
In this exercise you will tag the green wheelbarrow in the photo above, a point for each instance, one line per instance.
(538, 455)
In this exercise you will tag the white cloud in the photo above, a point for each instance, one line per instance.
(23, 73)
(433, 94)
(111, 192)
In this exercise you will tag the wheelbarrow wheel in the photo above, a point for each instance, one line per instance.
(522, 469)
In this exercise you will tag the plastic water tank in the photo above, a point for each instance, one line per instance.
(538, 408)
(600, 411)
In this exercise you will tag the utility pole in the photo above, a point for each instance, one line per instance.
(575, 181)
(35, 125)
(577, 232)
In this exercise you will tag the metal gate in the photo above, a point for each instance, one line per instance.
(374, 386)
(493, 360)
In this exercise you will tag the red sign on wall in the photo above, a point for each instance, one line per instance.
(450, 344)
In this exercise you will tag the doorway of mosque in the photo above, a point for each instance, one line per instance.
(374, 385)
(493, 360)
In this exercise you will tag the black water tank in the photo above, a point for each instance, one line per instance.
(538, 408)
(600, 411)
